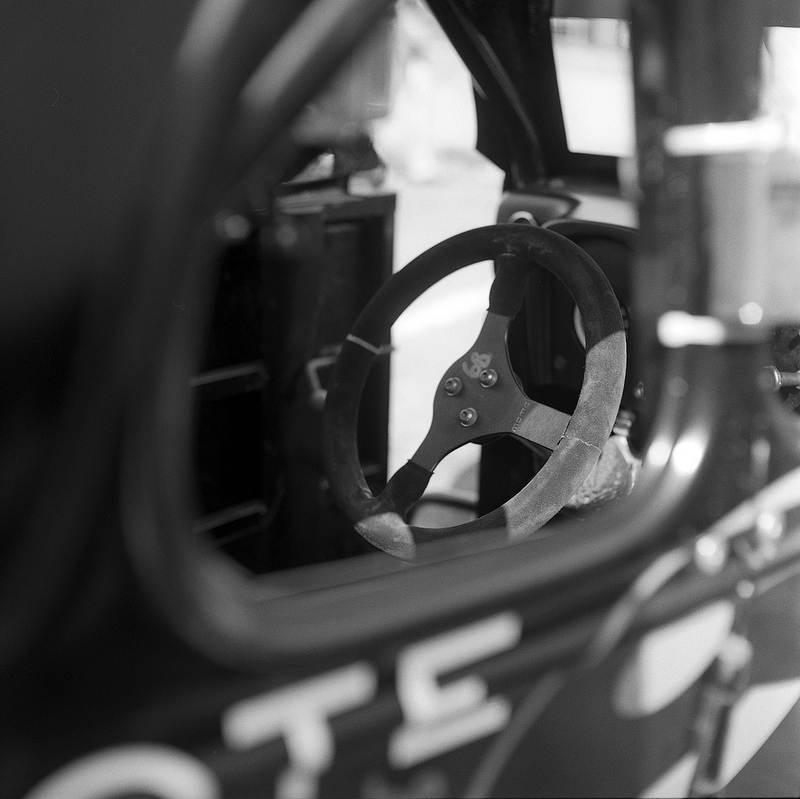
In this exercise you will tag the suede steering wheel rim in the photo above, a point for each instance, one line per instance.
(485, 385)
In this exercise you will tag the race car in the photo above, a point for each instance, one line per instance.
(218, 580)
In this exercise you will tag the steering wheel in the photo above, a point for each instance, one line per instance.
(479, 395)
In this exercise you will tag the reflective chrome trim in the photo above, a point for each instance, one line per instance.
(762, 134)
(680, 329)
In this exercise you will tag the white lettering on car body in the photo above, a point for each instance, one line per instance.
(439, 719)
(300, 714)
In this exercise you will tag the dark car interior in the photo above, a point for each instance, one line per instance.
(198, 510)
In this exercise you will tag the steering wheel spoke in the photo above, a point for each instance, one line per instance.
(540, 424)
(507, 293)
(480, 396)
(404, 489)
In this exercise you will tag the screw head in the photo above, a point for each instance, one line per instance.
(468, 417)
(769, 529)
(710, 555)
(452, 386)
(232, 228)
(487, 378)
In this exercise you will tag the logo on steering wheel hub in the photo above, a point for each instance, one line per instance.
(479, 363)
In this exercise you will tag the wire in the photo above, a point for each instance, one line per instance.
(530, 710)
(780, 495)
(615, 625)
(625, 610)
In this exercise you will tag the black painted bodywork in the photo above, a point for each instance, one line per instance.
(121, 626)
